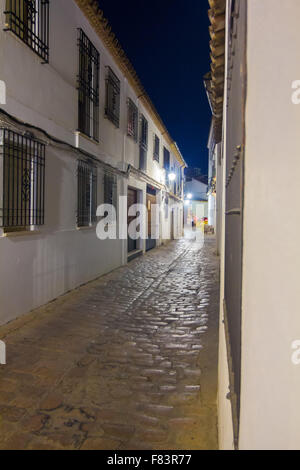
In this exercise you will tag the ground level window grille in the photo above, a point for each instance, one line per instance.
(29, 20)
(88, 87)
(87, 194)
(110, 192)
(22, 163)
(112, 108)
(166, 207)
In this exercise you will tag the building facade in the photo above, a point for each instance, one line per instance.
(77, 130)
(252, 89)
(195, 201)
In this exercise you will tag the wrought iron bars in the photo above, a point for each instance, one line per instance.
(88, 87)
(86, 193)
(112, 108)
(22, 162)
(29, 20)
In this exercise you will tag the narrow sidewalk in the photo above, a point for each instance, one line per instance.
(128, 361)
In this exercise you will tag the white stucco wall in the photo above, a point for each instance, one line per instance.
(270, 409)
(225, 424)
(36, 268)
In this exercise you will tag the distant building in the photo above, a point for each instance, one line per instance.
(195, 197)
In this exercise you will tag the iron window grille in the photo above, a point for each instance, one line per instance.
(166, 207)
(132, 120)
(156, 148)
(113, 88)
(166, 160)
(87, 194)
(29, 20)
(110, 192)
(22, 161)
(143, 143)
(88, 87)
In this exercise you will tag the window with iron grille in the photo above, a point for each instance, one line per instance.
(166, 160)
(88, 87)
(112, 109)
(143, 143)
(166, 207)
(29, 20)
(156, 148)
(132, 120)
(22, 160)
(110, 191)
(87, 194)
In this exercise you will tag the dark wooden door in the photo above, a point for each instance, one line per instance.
(131, 199)
(150, 243)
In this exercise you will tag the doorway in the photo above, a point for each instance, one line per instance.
(150, 200)
(131, 199)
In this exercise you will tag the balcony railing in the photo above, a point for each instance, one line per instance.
(29, 20)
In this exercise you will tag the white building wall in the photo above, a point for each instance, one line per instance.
(270, 410)
(225, 421)
(270, 382)
(36, 268)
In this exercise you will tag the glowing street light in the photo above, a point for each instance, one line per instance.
(172, 176)
(189, 196)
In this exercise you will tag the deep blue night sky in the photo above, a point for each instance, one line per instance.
(167, 42)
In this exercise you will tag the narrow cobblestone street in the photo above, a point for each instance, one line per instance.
(128, 361)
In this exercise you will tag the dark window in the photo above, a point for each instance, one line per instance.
(88, 88)
(29, 20)
(87, 194)
(166, 159)
(156, 148)
(110, 192)
(23, 181)
(110, 189)
(143, 143)
(166, 207)
(132, 121)
(112, 109)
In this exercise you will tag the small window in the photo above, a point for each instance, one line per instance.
(112, 109)
(166, 160)
(143, 143)
(29, 20)
(166, 207)
(156, 149)
(132, 121)
(88, 88)
(110, 189)
(87, 194)
(23, 181)
(110, 192)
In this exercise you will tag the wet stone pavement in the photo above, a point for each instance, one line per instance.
(128, 361)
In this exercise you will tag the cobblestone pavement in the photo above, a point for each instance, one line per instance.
(128, 361)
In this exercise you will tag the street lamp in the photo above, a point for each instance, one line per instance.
(172, 176)
(189, 196)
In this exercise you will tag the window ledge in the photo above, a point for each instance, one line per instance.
(84, 136)
(23, 233)
(87, 227)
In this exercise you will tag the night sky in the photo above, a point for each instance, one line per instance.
(167, 42)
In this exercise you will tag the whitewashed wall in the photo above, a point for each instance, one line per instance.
(270, 389)
(270, 405)
(36, 268)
